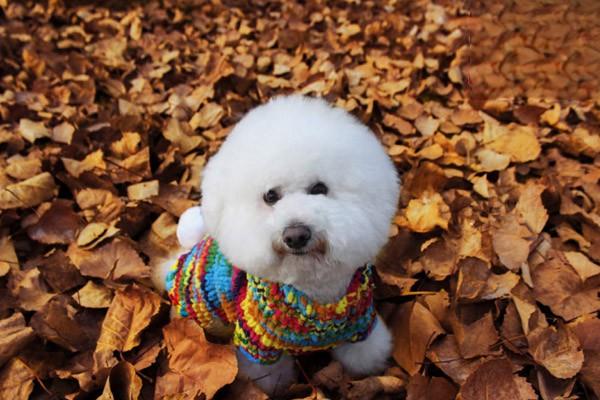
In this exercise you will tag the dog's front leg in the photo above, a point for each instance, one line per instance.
(369, 356)
(273, 378)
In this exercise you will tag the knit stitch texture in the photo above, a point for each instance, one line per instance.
(270, 318)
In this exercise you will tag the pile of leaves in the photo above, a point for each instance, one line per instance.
(108, 113)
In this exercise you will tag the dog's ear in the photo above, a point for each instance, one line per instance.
(190, 227)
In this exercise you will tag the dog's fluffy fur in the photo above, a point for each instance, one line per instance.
(288, 145)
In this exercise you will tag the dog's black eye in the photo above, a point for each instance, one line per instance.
(318, 188)
(271, 197)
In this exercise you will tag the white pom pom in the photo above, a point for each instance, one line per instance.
(190, 228)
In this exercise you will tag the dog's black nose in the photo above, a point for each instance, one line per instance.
(296, 236)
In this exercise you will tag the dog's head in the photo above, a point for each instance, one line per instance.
(299, 188)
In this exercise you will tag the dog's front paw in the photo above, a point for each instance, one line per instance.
(272, 379)
(368, 357)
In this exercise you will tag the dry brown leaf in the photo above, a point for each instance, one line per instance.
(493, 379)
(16, 380)
(444, 353)
(177, 133)
(94, 233)
(208, 116)
(63, 133)
(510, 244)
(583, 265)
(30, 289)
(196, 366)
(427, 125)
(59, 322)
(103, 205)
(8, 256)
(143, 190)
(558, 350)
(432, 152)
(439, 259)
(331, 376)
(558, 286)
(58, 225)
(414, 329)
(115, 260)
(14, 336)
(129, 314)
(399, 124)
(424, 388)
(369, 387)
(245, 389)
(94, 160)
(426, 213)
(531, 209)
(28, 193)
(519, 142)
(122, 383)
(587, 329)
(490, 160)
(126, 146)
(31, 130)
(23, 168)
(93, 295)
(466, 116)
(476, 339)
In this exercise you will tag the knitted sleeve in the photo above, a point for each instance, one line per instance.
(199, 285)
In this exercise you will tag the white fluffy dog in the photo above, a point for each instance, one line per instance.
(300, 194)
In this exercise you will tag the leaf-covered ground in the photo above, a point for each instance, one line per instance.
(108, 112)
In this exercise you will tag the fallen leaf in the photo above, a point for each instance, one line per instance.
(196, 366)
(427, 125)
(115, 260)
(94, 160)
(59, 322)
(493, 379)
(490, 160)
(63, 133)
(16, 380)
(129, 314)
(583, 265)
(369, 387)
(445, 354)
(477, 338)
(57, 225)
(31, 130)
(510, 244)
(586, 330)
(8, 256)
(14, 336)
(531, 208)
(558, 286)
(520, 143)
(143, 190)
(414, 329)
(28, 193)
(122, 383)
(425, 388)
(93, 295)
(208, 116)
(29, 288)
(427, 212)
(23, 168)
(177, 133)
(557, 349)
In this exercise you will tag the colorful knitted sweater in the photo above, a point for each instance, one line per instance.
(270, 318)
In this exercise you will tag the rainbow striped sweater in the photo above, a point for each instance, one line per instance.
(269, 318)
